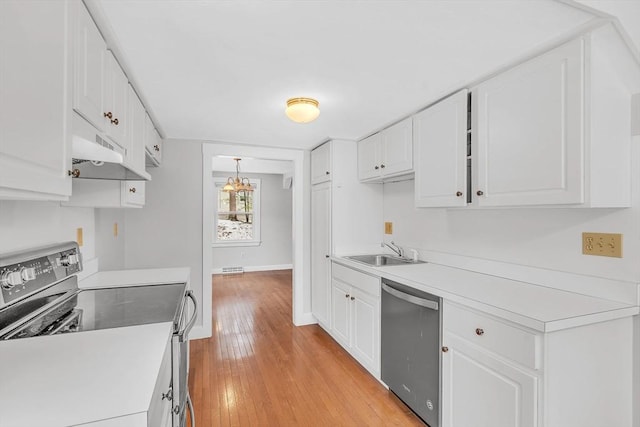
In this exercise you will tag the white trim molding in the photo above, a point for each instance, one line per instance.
(250, 268)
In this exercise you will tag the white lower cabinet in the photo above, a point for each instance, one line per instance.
(355, 315)
(499, 374)
(481, 390)
(320, 252)
(160, 408)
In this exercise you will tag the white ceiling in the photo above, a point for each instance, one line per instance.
(223, 70)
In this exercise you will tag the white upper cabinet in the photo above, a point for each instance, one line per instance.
(35, 98)
(135, 140)
(369, 157)
(321, 163)
(555, 130)
(90, 52)
(440, 153)
(115, 101)
(106, 193)
(153, 144)
(529, 132)
(397, 149)
(387, 154)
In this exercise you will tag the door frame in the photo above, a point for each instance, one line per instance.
(300, 224)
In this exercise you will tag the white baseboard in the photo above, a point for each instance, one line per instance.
(305, 319)
(258, 268)
(198, 332)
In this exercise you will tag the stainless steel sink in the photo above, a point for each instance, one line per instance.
(382, 260)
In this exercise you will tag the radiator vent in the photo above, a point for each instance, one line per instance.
(232, 270)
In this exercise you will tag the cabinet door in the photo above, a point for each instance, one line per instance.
(397, 149)
(341, 313)
(160, 407)
(365, 318)
(35, 96)
(132, 193)
(369, 157)
(136, 132)
(153, 143)
(89, 69)
(115, 101)
(320, 252)
(321, 163)
(530, 132)
(440, 143)
(480, 390)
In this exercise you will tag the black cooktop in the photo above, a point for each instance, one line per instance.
(106, 308)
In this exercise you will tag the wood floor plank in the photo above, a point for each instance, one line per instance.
(258, 369)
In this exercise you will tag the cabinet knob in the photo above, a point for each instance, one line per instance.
(376, 167)
(459, 194)
(352, 298)
(115, 121)
(75, 173)
(108, 115)
(326, 256)
(382, 166)
(445, 349)
(479, 192)
(326, 173)
(156, 147)
(479, 332)
(347, 296)
(132, 190)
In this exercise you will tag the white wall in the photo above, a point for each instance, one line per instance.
(275, 230)
(167, 232)
(26, 224)
(110, 247)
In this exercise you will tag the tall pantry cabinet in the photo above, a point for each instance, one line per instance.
(346, 217)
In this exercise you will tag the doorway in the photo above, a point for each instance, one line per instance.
(300, 186)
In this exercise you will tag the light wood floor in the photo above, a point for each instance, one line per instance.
(260, 370)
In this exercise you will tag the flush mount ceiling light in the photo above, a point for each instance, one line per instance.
(302, 110)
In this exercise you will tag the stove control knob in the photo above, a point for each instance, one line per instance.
(28, 274)
(10, 279)
(67, 260)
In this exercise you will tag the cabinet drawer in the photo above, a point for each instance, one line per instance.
(496, 336)
(362, 281)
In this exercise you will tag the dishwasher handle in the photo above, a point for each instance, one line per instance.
(426, 303)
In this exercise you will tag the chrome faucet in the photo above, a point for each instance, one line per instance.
(395, 248)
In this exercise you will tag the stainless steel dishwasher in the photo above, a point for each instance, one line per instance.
(411, 341)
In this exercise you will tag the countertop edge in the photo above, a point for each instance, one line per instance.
(505, 313)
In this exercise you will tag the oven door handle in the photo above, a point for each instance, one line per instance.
(185, 332)
(432, 305)
(192, 416)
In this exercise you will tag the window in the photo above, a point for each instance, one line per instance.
(237, 215)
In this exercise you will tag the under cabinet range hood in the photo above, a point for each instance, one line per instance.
(96, 158)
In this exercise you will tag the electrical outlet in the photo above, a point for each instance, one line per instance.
(79, 239)
(602, 244)
(388, 228)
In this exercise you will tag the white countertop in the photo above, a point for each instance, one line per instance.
(538, 307)
(151, 276)
(77, 378)
(71, 379)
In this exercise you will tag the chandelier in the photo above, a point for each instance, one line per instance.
(237, 184)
